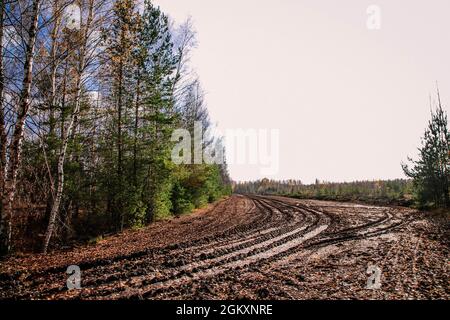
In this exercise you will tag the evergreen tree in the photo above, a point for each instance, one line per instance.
(431, 172)
(158, 77)
(121, 40)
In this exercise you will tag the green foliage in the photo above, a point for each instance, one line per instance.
(146, 185)
(431, 172)
(135, 210)
(382, 192)
(196, 186)
(162, 206)
(136, 87)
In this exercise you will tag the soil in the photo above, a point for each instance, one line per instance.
(252, 247)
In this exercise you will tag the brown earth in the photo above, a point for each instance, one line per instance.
(256, 248)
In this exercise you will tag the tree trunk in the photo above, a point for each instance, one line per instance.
(136, 125)
(118, 208)
(3, 137)
(2, 114)
(15, 149)
(62, 155)
(54, 67)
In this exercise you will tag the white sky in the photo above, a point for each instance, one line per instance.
(350, 103)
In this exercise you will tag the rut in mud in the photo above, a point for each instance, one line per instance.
(251, 247)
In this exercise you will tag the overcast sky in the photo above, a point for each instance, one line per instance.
(350, 103)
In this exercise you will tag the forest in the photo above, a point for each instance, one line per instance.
(90, 94)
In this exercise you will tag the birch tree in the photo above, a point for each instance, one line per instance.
(83, 35)
(15, 146)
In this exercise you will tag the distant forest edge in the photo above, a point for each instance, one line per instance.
(390, 192)
(428, 185)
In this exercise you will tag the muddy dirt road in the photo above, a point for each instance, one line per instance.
(256, 248)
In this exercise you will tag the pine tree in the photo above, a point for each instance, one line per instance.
(430, 173)
(122, 38)
(158, 77)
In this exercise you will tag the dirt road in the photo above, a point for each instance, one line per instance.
(252, 247)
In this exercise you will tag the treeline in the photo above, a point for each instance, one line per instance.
(381, 192)
(428, 186)
(91, 91)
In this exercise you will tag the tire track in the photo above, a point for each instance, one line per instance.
(260, 244)
(125, 267)
(233, 237)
